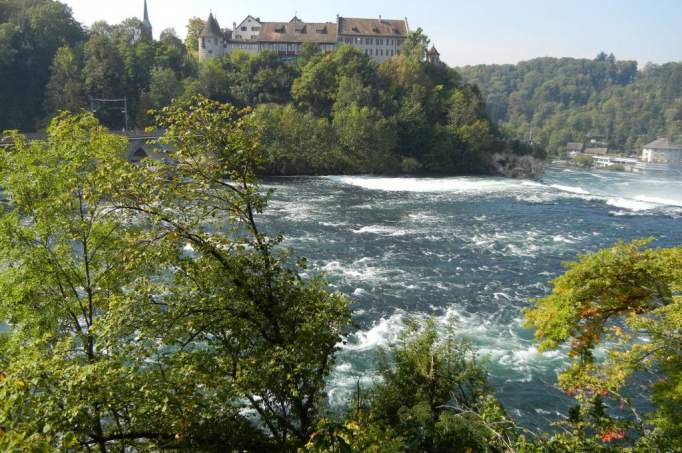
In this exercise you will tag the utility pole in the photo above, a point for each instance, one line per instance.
(119, 101)
(125, 107)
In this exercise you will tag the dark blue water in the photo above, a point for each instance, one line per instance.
(467, 251)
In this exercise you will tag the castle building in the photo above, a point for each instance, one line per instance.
(378, 38)
(432, 55)
(213, 40)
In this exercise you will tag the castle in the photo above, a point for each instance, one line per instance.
(378, 38)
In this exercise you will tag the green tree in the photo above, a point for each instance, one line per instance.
(367, 138)
(433, 396)
(299, 143)
(104, 76)
(415, 45)
(610, 299)
(213, 80)
(194, 28)
(31, 32)
(262, 335)
(171, 53)
(318, 85)
(65, 89)
(72, 376)
(163, 88)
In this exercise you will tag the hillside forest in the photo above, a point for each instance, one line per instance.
(560, 100)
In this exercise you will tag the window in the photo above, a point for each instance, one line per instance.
(370, 52)
(244, 29)
(255, 28)
(368, 41)
(203, 43)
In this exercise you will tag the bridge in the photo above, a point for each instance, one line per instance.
(141, 144)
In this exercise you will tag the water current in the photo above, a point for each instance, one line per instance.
(471, 251)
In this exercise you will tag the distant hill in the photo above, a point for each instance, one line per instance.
(566, 99)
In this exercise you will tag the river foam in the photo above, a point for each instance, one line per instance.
(468, 251)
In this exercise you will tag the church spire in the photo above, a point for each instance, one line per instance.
(147, 25)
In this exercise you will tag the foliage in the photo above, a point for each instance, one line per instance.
(146, 309)
(31, 32)
(433, 396)
(65, 89)
(626, 300)
(583, 161)
(578, 100)
(71, 375)
(195, 26)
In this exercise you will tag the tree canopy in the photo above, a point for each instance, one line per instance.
(560, 100)
(619, 311)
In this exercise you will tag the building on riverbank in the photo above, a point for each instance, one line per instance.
(380, 38)
(596, 151)
(573, 149)
(662, 151)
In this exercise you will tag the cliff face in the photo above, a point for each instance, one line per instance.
(514, 166)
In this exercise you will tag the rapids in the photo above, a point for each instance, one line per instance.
(467, 250)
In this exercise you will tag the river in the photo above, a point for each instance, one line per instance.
(471, 251)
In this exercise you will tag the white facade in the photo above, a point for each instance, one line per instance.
(662, 156)
(662, 151)
(380, 49)
(212, 46)
(248, 30)
(377, 38)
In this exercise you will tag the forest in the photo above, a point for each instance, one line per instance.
(561, 100)
(323, 113)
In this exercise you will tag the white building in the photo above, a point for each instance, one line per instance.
(248, 30)
(609, 161)
(213, 40)
(662, 151)
(378, 38)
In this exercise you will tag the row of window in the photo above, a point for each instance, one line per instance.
(366, 41)
(290, 46)
(381, 52)
(373, 41)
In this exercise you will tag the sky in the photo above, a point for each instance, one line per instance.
(466, 32)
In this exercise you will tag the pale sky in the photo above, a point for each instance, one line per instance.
(464, 31)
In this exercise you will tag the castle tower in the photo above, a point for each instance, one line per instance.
(211, 39)
(433, 56)
(146, 25)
